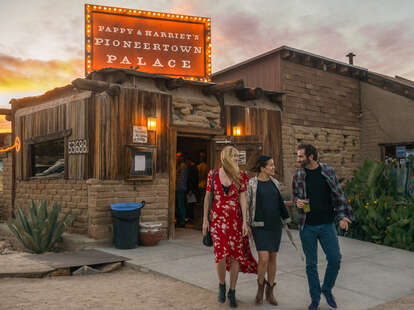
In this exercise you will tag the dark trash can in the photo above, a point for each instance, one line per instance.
(125, 219)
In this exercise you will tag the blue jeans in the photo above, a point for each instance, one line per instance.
(326, 234)
(180, 206)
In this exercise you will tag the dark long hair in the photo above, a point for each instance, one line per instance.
(261, 162)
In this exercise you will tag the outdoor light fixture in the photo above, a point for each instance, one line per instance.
(151, 123)
(236, 131)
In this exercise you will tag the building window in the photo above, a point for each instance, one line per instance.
(48, 159)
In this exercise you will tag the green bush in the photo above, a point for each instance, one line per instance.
(42, 228)
(382, 199)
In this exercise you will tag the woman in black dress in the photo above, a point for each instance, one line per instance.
(267, 213)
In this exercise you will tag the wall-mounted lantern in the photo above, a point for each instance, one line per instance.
(236, 131)
(151, 123)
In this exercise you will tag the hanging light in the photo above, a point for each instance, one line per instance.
(151, 123)
(236, 131)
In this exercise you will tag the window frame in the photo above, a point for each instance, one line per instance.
(31, 142)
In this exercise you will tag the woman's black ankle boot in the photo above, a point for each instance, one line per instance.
(222, 293)
(232, 298)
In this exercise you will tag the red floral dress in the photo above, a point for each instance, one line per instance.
(226, 225)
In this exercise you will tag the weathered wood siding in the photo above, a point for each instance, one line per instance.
(260, 122)
(54, 118)
(114, 118)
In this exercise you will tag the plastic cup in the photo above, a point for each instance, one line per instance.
(306, 206)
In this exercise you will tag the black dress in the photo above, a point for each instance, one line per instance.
(270, 208)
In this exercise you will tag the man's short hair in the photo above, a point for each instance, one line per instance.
(309, 150)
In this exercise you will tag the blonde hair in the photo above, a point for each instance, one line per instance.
(232, 170)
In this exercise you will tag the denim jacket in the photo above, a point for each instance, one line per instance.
(340, 204)
(251, 203)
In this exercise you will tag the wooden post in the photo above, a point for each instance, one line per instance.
(173, 172)
(223, 87)
(174, 83)
(249, 93)
(96, 86)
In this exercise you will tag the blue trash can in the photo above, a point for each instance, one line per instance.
(125, 219)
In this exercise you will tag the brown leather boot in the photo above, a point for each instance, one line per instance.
(269, 294)
(260, 292)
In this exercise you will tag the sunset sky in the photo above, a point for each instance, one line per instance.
(42, 41)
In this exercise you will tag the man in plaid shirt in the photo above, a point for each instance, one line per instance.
(315, 184)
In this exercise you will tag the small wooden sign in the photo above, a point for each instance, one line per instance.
(140, 134)
(78, 146)
(242, 157)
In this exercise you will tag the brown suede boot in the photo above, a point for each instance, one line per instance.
(269, 294)
(260, 292)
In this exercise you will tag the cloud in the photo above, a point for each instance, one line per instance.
(17, 74)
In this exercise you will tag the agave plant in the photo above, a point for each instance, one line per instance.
(41, 228)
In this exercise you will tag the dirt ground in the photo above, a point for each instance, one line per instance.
(123, 289)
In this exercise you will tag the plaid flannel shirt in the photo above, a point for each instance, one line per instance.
(341, 206)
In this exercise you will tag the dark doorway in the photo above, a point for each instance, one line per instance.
(194, 154)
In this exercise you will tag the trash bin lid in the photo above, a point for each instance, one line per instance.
(126, 206)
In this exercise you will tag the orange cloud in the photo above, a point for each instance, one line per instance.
(17, 74)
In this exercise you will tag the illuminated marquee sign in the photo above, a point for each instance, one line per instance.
(171, 44)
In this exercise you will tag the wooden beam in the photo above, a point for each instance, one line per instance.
(9, 117)
(96, 86)
(199, 130)
(343, 69)
(397, 143)
(356, 73)
(285, 54)
(53, 136)
(117, 77)
(249, 93)
(331, 67)
(223, 87)
(114, 90)
(174, 83)
(171, 197)
(5, 111)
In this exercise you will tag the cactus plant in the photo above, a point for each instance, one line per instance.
(382, 196)
(41, 228)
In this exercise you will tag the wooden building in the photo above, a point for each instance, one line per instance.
(348, 112)
(114, 136)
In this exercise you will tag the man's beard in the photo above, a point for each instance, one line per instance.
(305, 163)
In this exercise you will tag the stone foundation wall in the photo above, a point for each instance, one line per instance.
(197, 112)
(90, 200)
(339, 148)
(72, 195)
(6, 187)
(103, 193)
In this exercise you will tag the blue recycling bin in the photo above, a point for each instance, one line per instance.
(125, 219)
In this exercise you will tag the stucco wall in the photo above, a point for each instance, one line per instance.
(385, 118)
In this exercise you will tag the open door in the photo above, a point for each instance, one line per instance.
(250, 148)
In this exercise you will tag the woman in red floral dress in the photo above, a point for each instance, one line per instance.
(228, 224)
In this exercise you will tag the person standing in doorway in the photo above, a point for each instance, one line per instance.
(181, 192)
(228, 222)
(320, 201)
(267, 211)
(202, 176)
(192, 188)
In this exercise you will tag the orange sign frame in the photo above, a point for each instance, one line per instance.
(153, 42)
